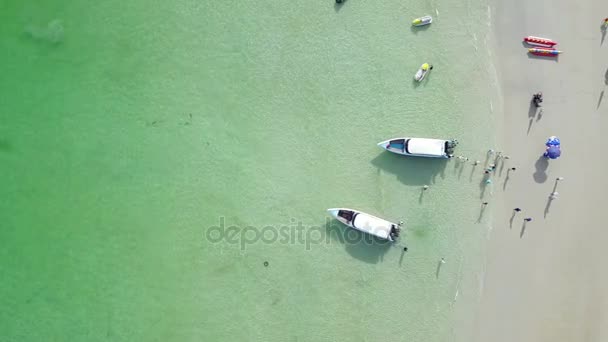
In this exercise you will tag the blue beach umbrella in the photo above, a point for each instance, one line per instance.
(553, 152)
(553, 141)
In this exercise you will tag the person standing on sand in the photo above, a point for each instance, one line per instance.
(528, 219)
(517, 210)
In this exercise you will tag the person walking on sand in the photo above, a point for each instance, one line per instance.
(484, 204)
(517, 210)
(559, 179)
(528, 219)
(605, 23)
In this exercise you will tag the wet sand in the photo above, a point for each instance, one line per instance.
(546, 280)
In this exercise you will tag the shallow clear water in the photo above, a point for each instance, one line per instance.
(129, 130)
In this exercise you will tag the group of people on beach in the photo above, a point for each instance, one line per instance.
(491, 168)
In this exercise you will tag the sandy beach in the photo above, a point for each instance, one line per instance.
(546, 281)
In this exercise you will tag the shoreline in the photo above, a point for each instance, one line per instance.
(543, 280)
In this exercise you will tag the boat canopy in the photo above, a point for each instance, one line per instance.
(373, 225)
(431, 147)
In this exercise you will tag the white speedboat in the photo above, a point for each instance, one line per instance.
(367, 223)
(420, 147)
(424, 69)
(427, 19)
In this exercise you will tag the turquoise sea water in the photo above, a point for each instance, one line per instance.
(129, 130)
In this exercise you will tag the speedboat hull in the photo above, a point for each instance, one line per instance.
(366, 223)
(420, 147)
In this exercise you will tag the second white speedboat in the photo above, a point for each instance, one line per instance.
(420, 147)
(367, 223)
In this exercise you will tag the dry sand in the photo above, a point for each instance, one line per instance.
(550, 282)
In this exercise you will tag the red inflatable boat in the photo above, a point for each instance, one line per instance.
(538, 41)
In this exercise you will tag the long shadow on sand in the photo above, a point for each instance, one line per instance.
(359, 245)
(481, 212)
(546, 58)
(411, 170)
(504, 184)
(512, 218)
(540, 176)
(484, 184)
(523, 229)
(532, 111)
(473, 169)
(603, 29)
(548, 206)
